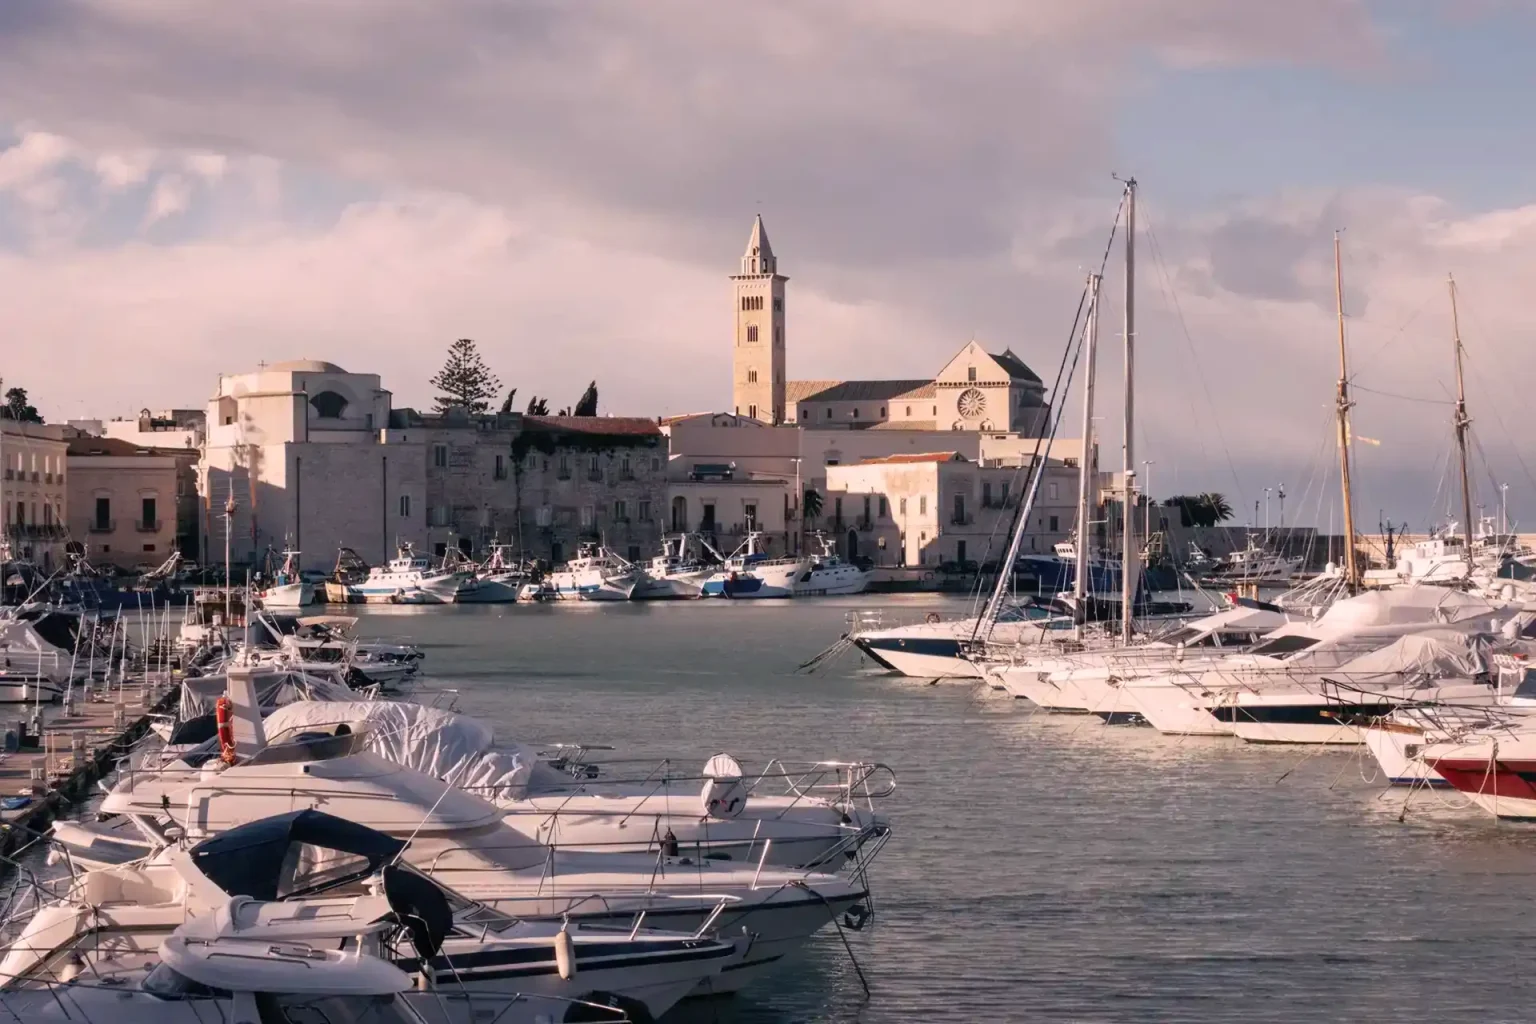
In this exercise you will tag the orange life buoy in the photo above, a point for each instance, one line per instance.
(224, 717)
(932, 616)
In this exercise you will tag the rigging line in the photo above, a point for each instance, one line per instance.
(1157, 258)
(1401, 330)
(1057, 397)
(1488, 393)
(1406, 398)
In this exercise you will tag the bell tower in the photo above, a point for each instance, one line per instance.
(757, 383)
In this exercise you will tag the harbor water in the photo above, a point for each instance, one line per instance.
(1042, 868)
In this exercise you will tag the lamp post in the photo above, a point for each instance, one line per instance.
(1146, 493)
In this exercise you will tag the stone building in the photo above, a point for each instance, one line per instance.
(938, 508)
(33, 492)
(589, 478)
(124, 501)
(758, 362)
(308, 455)
(471, 493)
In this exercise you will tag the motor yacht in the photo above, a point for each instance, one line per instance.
(464, 842)
(307, 877)
(944, 649)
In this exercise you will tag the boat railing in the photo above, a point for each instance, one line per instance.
(835, 781)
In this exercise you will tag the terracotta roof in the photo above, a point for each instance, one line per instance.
(118, 447)
(913, 457)
(856, 390)
(628, 426)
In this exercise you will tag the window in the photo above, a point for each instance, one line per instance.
(620, 511)
(935, 410)
(563, 467)
(405, 506)
(752, 332)
(986, 494)
(867, 501)
(588, 514)
(329, 405)
(829, 414)
(855, 413)
(149, 547)
(593, 472)
(624, 470)
(778, 334)
(882, 507)
(634, 552)
(47, 514)
(922, 508)
(805, 413)
(1051, 491)
(103, 513)
(501, 467)
(751, 376)
(882, 412)
(903, 506)
(752, 412)
(970, 373)
(147, 520)
(778, 304)
(1055, 526)
(643, 510)
(960, 509)
(655, 463)
(707, 523)
(837, 511)
(440, 456)
(543, 516)
(749, 514)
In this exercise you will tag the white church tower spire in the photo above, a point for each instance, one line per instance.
(758, 364)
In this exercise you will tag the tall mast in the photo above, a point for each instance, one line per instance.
(1128, 568)
(1084, 471)
(1351, 571)
(1462, 422)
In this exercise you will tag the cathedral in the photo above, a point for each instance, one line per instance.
(976, 390)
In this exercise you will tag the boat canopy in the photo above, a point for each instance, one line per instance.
(1432, 653)
(265, 859)
(455, 748)
(200, 694)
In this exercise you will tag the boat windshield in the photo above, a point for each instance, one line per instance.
(311, 746)
(1284, 646)
(345, 1010)
(165, 982)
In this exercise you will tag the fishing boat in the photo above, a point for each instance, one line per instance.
(499, 579)
(410, 578)
(350, 570)
(1253, 564)
(750, 573)
(595, 574)
(829, 575)
(289, 589)
(677, 573)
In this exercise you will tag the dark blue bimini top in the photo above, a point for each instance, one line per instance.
(250, 860)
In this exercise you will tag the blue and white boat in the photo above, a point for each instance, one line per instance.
(750, 573)
(410, 578)
(829, 575)
(675, 574)
(595, 574)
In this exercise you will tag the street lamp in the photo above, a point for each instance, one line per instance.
(1267, 491)
(1146, 492)
(1281, 491)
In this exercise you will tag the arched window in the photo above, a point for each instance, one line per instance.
(329, 405)
(752, 332)
(751, 376)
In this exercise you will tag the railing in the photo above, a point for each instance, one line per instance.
(36, 477)
(103, 526)
(864, 524)
(961, 519)
(10, 474)
(562, 474)
(626, 474)
(148, 525)
(595, 475)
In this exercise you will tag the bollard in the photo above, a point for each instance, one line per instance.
(39, 781)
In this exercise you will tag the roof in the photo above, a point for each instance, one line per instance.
(100, 446)
(757, 244)
(305, 366)
(797, 391)
(910, 457)
(1015, 366)
(606, 426)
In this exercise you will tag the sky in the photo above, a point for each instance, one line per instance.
(188, 187)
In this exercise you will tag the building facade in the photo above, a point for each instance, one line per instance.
(123, 501)
(943, 509)
(305, 455)
(33, 492)
(601, 479)
(164, 428)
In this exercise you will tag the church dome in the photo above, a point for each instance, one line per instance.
(306, 366)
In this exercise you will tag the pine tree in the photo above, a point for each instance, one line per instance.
(465, 381)
(587, 405)
(506, 407)
(538, 406)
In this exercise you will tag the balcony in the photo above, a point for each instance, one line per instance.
(863, 524)
(35, 531)
(562, 474)
(10, 474)
(147, 526)
(103, 526)
(47, 478)
(499, 474)
(961, 519)
(37, 477)
(626, 474)
(595, 475)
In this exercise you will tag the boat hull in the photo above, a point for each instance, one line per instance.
(291, 595)
(1397, 753)
(1175, 711)
(921, 657)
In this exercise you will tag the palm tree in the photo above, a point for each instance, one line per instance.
(1217, 506)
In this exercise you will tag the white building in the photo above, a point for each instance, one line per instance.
(33, 492)
(305, 450)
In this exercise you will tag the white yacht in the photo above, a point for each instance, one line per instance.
(829, 575)
(751, 573)
(595, 574)
(312, 888)
(463, 841)
(38, 652)
(937, 648)
(410, 578)
(676, 573)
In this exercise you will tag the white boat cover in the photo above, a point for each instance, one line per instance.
(1402, 606)
(1431, 654)
(199, 694)
(448, 746)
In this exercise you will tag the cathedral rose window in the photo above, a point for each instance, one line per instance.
(972, 403)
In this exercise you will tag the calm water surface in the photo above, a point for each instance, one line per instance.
(1042, 868)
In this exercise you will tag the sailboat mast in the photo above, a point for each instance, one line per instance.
(1084, 470)
(1351, 570)
(1462, 422)
(1128, 568)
